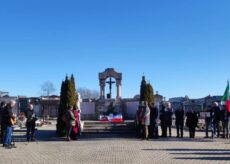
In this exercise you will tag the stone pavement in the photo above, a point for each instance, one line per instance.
(108, 149)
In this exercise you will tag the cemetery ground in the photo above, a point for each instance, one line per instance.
(111, 148)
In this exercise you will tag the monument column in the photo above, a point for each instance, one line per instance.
(102, 89)
(118, 89)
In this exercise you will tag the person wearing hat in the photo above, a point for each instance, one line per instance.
(146, 120)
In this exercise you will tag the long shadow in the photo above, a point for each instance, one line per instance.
(205, 158)
(40, 136)
(205, 154)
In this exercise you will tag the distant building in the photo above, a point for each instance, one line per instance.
(196, 104)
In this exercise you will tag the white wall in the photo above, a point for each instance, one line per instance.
(87, 108)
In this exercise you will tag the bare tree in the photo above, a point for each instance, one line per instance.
(47, 88)
(88, 93)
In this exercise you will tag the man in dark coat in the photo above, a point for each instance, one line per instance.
(2, 120)
(8, 118)
(191, 123)
(153, 128)
(216, 120)
(30, 123)
(179, 122)
(225, 121)
(168, 118)
(163, 121)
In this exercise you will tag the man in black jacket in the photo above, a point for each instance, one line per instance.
(2, 120)
(153, 128)
(179, 122)
(8, 118)
(216, 120)
(30, 123)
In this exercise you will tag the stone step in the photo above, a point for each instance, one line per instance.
(98, 127)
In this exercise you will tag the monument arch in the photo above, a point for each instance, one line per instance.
(110, 73)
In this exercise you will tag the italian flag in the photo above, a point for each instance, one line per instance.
(226, 99)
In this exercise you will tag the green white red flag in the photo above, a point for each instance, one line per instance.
(226, 99)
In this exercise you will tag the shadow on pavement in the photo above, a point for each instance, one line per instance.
(205, 154)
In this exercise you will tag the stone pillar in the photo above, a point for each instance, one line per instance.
(102, 89)
(118, 88)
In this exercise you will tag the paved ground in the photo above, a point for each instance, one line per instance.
(115, 149)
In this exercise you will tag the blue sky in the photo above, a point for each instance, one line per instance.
(183, 47)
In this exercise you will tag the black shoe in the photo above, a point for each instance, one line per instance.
(33, 139)
(8, 147)
(13, 146)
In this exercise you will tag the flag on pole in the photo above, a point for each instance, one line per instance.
(225, 99)
(226, 95)
(228, 105)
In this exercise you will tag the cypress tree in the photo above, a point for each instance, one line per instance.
(150, 93)
(143, 90)
(68, 98)
(61, 111)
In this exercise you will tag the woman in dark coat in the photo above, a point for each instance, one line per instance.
(191, 123)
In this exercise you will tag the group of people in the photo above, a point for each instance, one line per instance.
(147, 121)
(8, 119)
(72, 121)
(216, 116)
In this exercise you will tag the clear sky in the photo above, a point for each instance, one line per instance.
(182, 46)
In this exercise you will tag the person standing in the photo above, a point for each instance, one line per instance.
(225, 121)
(70, 122)
(216, 120)
(2, 120)
(75, 129)
(208, 121)
(153, 128)
(30, 123)
(191, 123)
(146, 120)
(163, 121)
(168, 117)
(179, 122)
(9, 120)
(139, 129)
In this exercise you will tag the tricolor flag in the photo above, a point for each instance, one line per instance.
(226, 99)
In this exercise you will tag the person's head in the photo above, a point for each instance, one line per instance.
(3, 104)
(190, 110)
(215, 104)
(70, 107)
(30, 106)
(11, 104)
(223, 107)
(169, 105)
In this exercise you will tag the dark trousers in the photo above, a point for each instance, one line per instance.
(208, 123)
(30, 131)
(153, 130)
(169, 128)
(163, 129)
(139, 130)
(3, 133)
(225, 129)
(192, 132)
(216, 128)
(180, 128)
